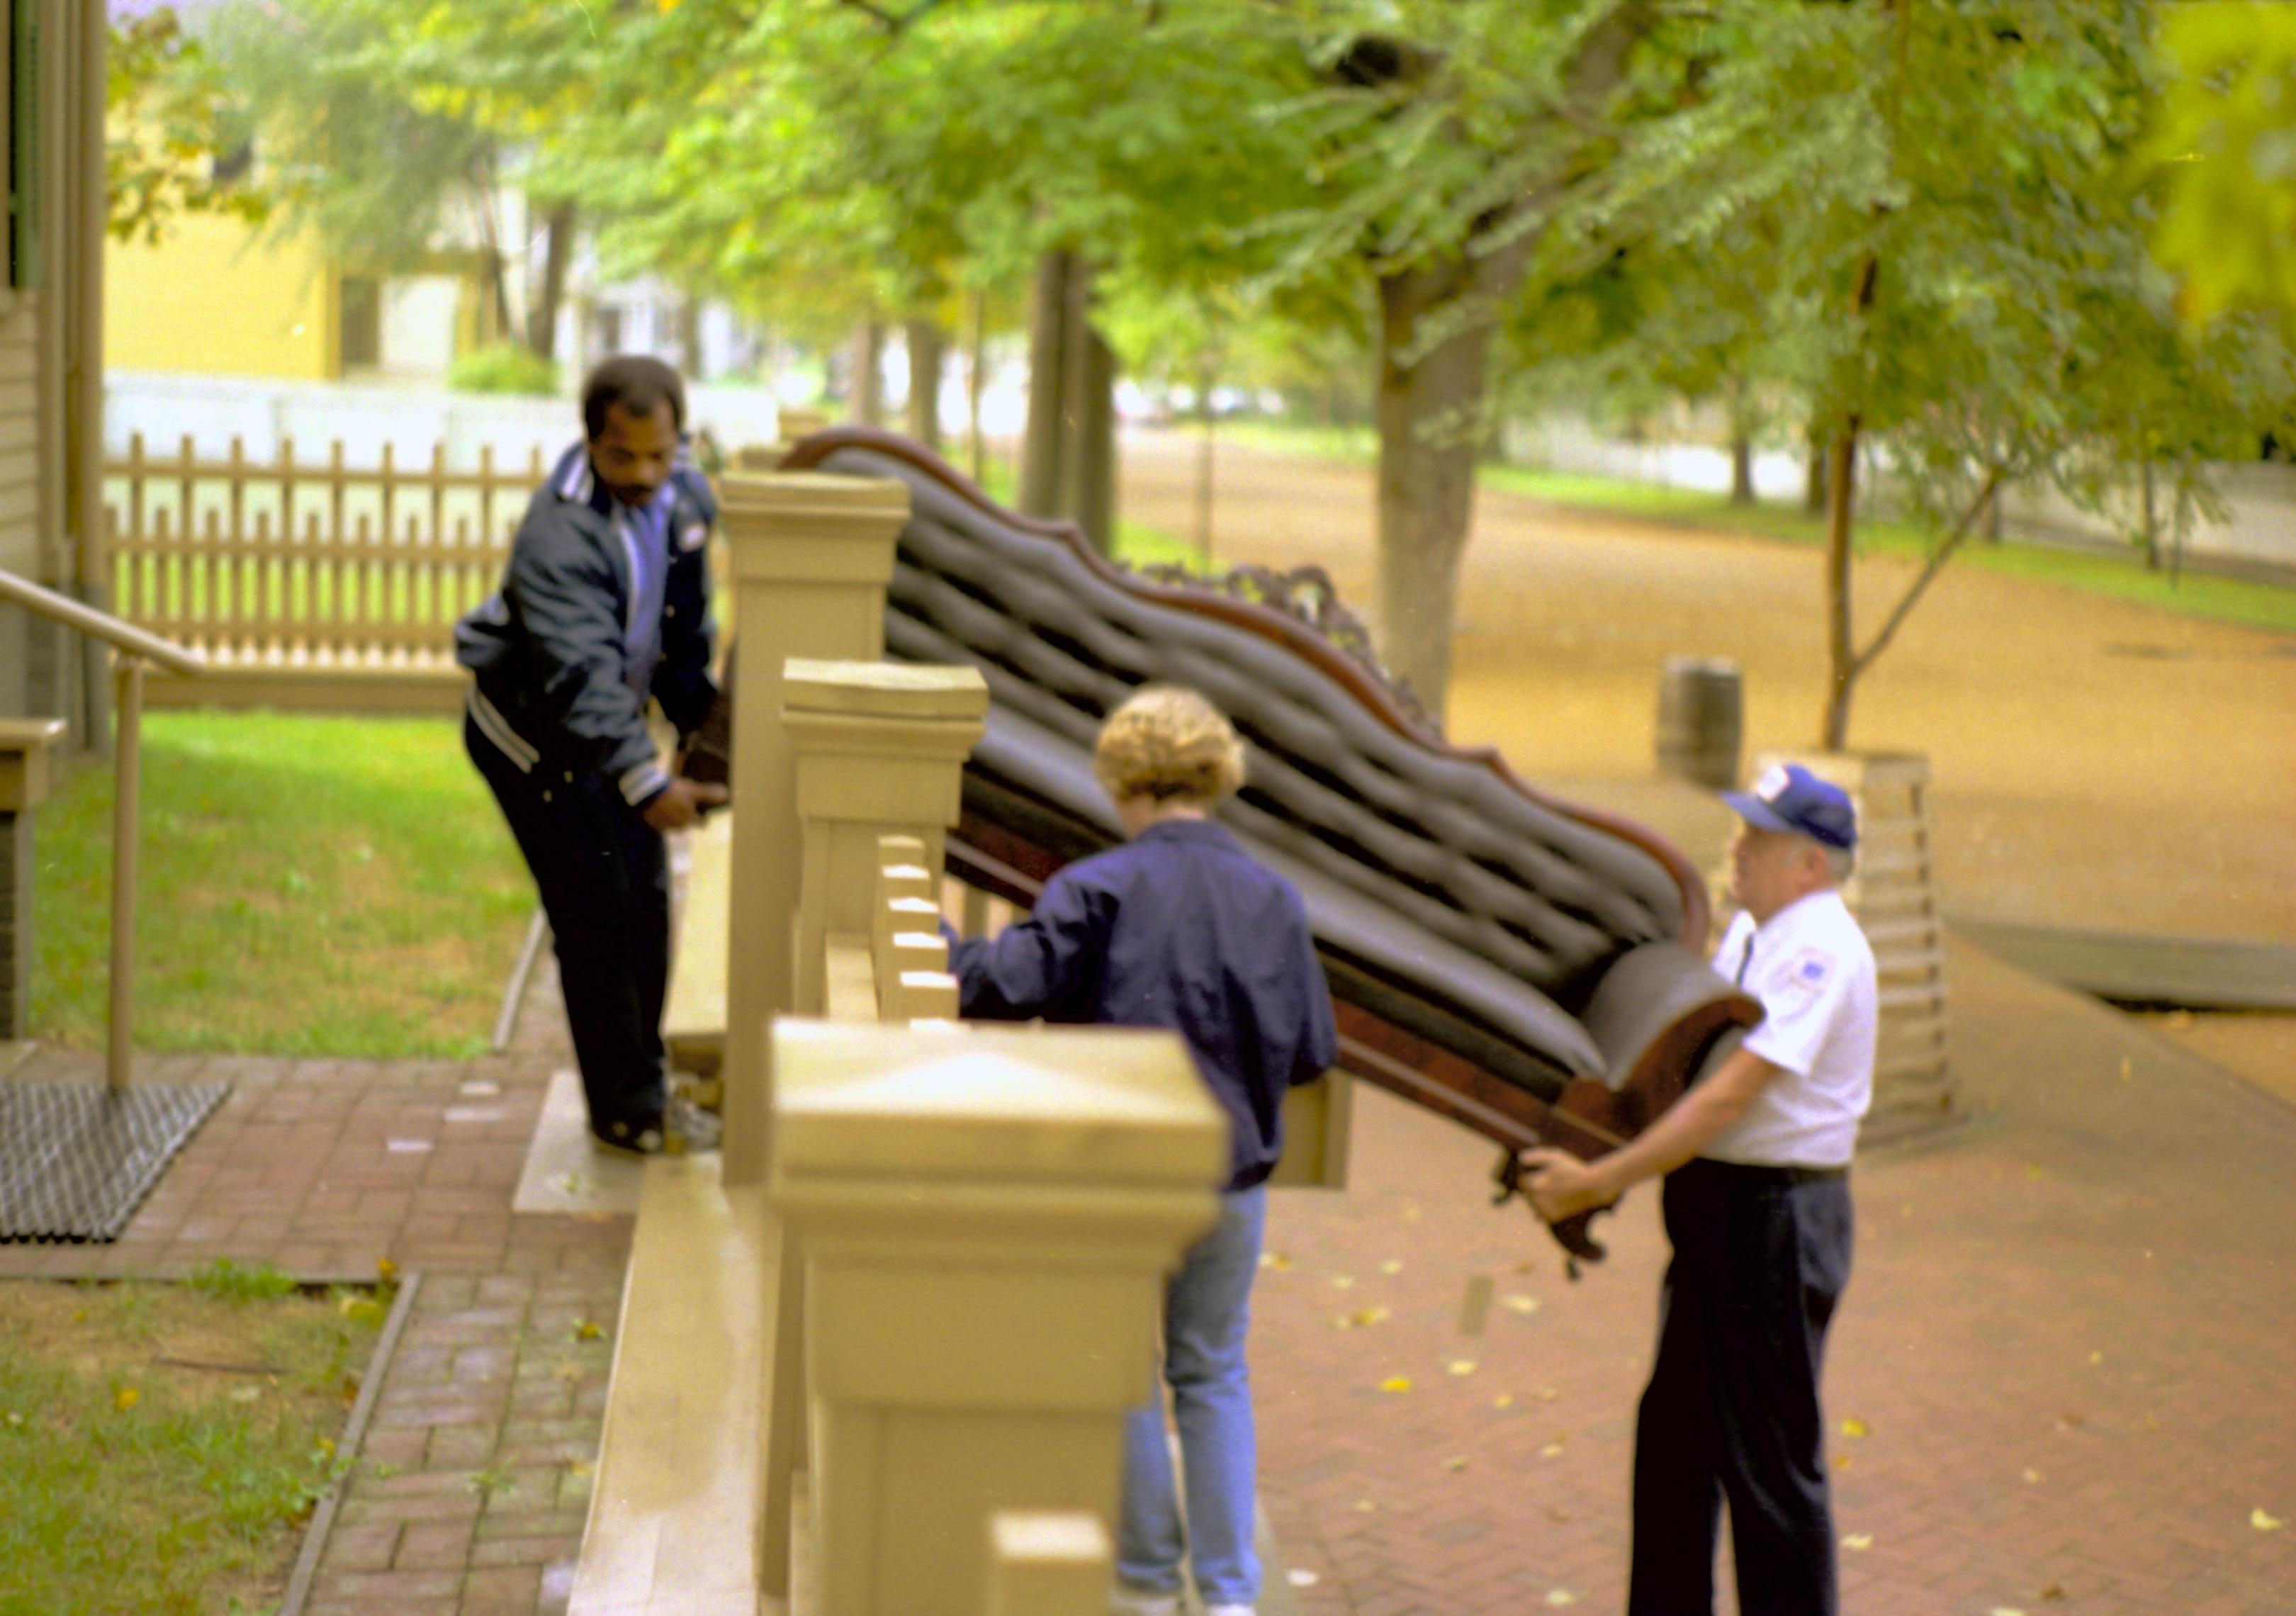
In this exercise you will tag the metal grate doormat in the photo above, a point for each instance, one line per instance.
(76, 1159)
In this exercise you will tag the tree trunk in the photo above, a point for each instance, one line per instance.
(1207, 378)
(868, 379)
(1741, 444)
(976, 329)
(1840, 651)
(1741, 468)
(1813, 497)
(1041, 468)
(688, 330)
(542, 310)
(1426, 408)
(2152, 517)
(926, 346)
(1088, 418)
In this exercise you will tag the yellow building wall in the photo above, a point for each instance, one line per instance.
(217, 297)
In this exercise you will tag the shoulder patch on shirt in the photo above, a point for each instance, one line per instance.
(1809, 970)
(693, 535)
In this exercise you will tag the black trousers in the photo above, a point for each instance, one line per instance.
(1732, 1410)
(604, 877)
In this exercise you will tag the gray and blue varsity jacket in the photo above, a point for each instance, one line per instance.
(547, 651)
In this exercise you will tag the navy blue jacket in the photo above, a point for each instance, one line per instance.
(549, 649)
(1180, 928)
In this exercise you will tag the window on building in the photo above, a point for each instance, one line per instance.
(362, 323)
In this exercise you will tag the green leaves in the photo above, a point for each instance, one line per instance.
(2224, 150)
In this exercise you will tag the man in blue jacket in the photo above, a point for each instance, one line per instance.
(605, 606)
(1181, 928)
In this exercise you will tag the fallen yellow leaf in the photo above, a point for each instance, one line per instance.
(2032, 1169)
(1859, 1540)
(1365, 1506)
(1842, 1461)
(1391, 1267)
(2263, 1522)
(1546, 1394)
(1461, 1365)
(2002, 1610)
(1343, 1282)
(2032, 1477)
(1455, 1463)
(80, 1318)
(1275, 1260)
(387, 1268)
(1552, 1450)
(1561, 1596)
(1369, 1316)
(1411, 1214)
(126, 1399)
(1505, 1399)
(1855, 1427)
(2096, 1357)
(1520, 1303)
(1395, 1383)
(587, 1331)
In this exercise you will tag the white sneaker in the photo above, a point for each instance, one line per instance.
(1230, 1609)
(1139, 1602)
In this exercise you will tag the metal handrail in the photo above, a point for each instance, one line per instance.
(136, 648)
(120, 635)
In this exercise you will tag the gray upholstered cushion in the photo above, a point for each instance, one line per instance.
(1424, 867)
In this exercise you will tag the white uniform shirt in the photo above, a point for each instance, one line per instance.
(1813, 971)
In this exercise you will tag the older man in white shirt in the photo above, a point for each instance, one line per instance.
(1756, 1204)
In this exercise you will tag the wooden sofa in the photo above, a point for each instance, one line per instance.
(1531, 970)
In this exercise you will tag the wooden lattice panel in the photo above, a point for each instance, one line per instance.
(1893, 894)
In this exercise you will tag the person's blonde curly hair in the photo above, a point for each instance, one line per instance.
(1168, 743)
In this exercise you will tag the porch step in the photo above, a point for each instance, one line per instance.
(674, 1506)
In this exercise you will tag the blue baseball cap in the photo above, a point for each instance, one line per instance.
(1790, 798)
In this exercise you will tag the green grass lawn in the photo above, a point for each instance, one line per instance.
(310, 886)
(161, 1446)
(2123, 576)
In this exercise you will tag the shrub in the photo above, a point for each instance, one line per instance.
(504, 368)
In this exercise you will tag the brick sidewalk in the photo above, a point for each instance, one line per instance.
(474, 1477)
(2067, 1340)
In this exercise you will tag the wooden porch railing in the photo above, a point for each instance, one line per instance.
(956, 1236)
(135, 649)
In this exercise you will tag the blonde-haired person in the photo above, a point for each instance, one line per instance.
(1181, 928)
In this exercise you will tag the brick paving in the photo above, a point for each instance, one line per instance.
(474, 1475)
(2067, 1340)
(2066, 1343)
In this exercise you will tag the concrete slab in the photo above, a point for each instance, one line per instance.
(2191, 973)
(567, 1171)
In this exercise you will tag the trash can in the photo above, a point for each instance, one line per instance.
(1701, 721)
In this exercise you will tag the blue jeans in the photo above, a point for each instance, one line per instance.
(1207, 1311)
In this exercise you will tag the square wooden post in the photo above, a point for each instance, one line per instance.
(880, 751)
(810, 556)
(987, 1216)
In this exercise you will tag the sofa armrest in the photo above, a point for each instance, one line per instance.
(1656, 1015)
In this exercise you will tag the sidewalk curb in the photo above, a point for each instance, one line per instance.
(322, 1519)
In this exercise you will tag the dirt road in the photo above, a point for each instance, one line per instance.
(2097, 764)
